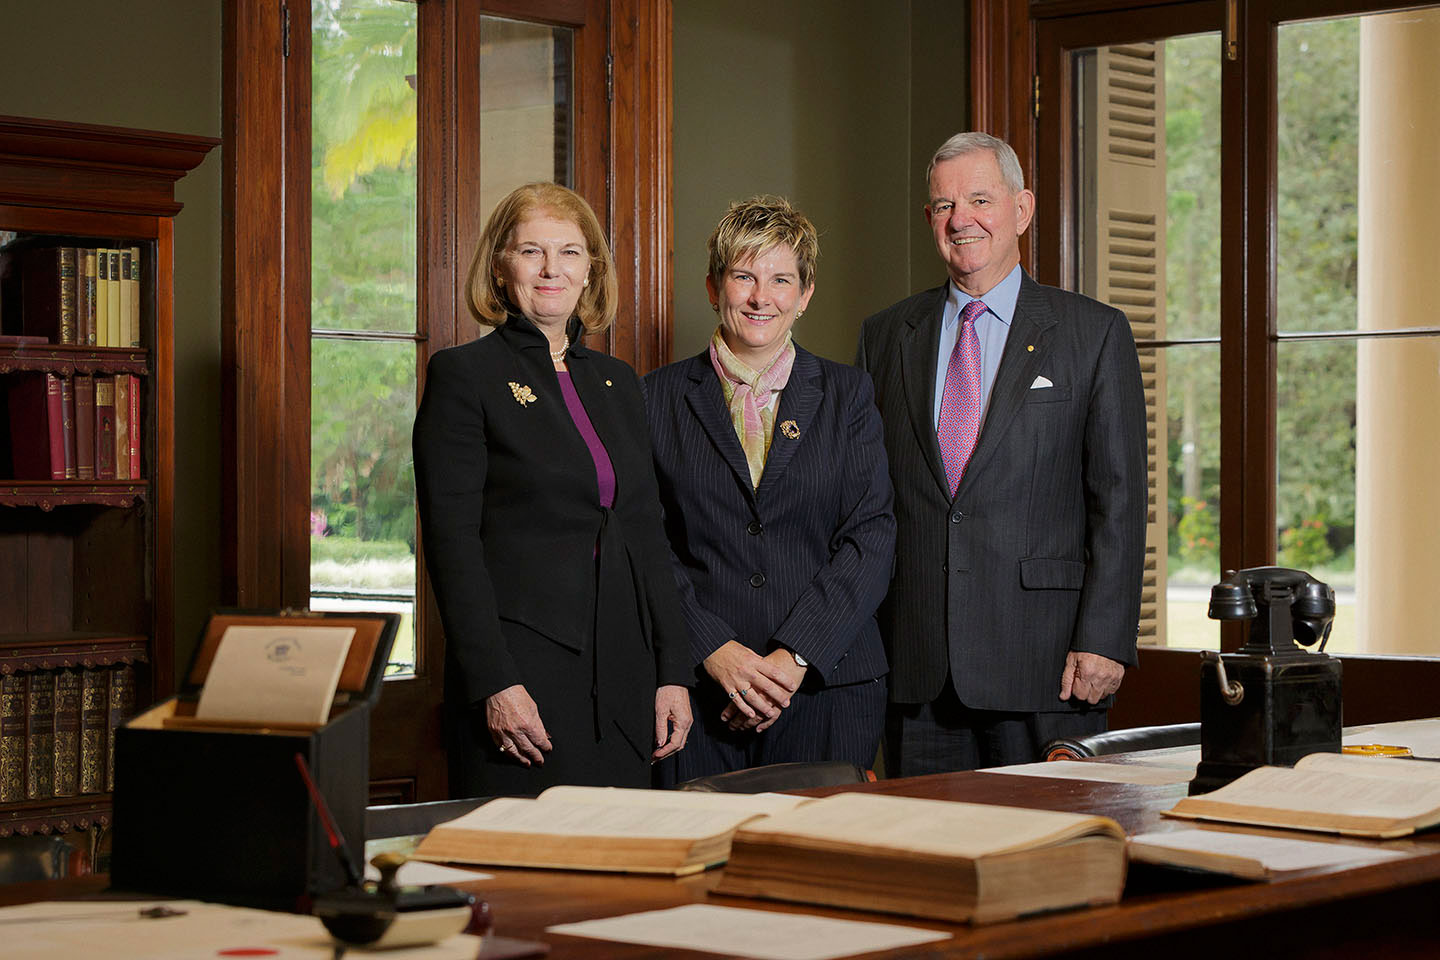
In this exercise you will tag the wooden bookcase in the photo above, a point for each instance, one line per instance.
(86, 565)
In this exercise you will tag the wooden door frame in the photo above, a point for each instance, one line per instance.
(265, 331)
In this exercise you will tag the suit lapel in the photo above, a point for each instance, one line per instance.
(920, 342)
(1018, 363)
(798, 403)
(707, 402)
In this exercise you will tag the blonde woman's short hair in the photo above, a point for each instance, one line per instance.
(751, 227)
(488, 300)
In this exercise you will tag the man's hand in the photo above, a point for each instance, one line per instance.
(791, 676)
(757, 688)
(1090, 677)
(672, 719)
(515, 725)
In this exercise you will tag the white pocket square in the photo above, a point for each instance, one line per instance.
(1041, 382)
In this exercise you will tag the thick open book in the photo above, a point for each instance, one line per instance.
(1330, 792)
(602, 828)
(928, 858)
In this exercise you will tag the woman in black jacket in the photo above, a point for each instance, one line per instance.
(565, 651)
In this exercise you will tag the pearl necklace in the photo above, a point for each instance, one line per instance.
(559, 355)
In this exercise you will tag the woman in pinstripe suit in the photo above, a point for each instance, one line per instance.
(777, 502)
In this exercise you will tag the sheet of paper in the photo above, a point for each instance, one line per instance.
(762, 934)
(1276, 854)
(274, 675)
(418, 873)
(45, 931)
(1421, 736)
(1152, 774)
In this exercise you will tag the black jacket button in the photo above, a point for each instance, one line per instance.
(757, 579)
(754, 528)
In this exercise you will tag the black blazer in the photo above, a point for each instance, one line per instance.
(510, 516)
(1042, 549)
(804, 560)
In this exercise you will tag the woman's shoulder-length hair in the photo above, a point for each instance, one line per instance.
(487, 299)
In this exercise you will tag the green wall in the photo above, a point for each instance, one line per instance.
(822, 101)
(152, 64)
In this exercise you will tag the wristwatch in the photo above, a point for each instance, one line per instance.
(799, 660)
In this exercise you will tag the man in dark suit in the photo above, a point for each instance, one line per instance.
(1015, 426)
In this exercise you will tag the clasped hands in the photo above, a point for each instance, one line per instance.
(758, 687)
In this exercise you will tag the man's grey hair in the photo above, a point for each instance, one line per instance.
(969, 142)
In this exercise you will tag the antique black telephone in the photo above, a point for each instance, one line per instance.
(1271, 702)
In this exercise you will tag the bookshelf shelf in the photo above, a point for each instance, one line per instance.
(88, 562)
(70, 359)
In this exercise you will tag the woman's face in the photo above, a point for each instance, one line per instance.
(545, 267)
(758, 299)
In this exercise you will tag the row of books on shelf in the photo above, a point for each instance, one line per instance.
(85, 427)
(57, 730)
(79, 295)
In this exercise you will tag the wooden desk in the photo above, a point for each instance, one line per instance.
(1384, 910)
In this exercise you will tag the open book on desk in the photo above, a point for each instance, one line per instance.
(1252, 856)
(928, 858)
(1328, 792)
(602, 828)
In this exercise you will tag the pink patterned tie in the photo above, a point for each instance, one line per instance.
(960, 407)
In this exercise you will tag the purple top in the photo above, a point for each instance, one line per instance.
(604, 471)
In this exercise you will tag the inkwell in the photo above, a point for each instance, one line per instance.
(385, 915)
(1272, 701)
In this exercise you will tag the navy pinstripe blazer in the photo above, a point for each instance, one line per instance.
(1041, 551)
(803, 561)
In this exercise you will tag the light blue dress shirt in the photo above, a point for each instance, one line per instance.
(992, 327)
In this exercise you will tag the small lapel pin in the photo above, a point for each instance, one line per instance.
(609, 384)
(523, 394)
(790, 429)
(1030, 347)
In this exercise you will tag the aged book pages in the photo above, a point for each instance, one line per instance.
(929, 858)
(600, 828)
(1331, 792)
(1249, 855)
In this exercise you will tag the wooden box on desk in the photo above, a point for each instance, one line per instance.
(221, 812)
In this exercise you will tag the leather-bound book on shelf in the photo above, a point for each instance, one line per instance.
(67, 733)
(134, 280)
(47, 278)
(67, 417)
(112, 289)
(84, 426)
(37, 426)
(94, 733)
(85, 297)
(40, 736)
(121, 707)
(134, 427)
(122, 426)
(12, 737)
(104, 428)
(102, 298)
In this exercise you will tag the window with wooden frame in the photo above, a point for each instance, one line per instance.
(365, 143)
(1247, 181)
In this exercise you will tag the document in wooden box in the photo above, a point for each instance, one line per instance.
(274, 675)
(928, 858)
(1329, 792)
(602, 828)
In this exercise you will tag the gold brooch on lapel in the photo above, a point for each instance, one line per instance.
(523, 394)
(790, 429)
(1030, 348)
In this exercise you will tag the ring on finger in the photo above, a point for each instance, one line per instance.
(743, 692)
(733, 694)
